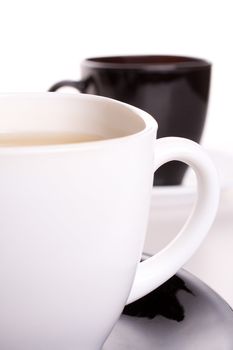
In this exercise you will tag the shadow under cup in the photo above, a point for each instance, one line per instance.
(173, 89)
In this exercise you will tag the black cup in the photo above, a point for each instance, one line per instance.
(173, 89)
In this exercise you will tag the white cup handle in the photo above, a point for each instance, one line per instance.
(154, 271)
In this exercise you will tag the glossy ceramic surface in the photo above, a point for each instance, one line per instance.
(184, 313)
(173, 89)
(55, 208)
(176, 203)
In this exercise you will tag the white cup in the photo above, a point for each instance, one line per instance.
(73, 218)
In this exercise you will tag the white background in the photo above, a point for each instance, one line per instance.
(44, 41)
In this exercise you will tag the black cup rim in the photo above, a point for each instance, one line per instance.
(158, 63)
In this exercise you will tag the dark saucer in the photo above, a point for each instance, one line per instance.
(182, 314)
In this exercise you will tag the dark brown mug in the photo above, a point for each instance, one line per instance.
(173, 89)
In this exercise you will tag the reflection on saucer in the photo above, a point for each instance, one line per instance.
(162, 301)
(205, 320)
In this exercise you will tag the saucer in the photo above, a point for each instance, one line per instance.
(182, 314)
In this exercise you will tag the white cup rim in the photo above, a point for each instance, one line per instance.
(150, 123)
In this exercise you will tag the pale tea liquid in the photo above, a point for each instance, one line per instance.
(43, 139)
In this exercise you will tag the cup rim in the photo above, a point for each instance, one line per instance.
(150, 124)
(156, 63)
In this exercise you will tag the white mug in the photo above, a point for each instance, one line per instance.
(73, 218)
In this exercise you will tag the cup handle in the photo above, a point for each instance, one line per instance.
(79, 85)
(154, 271)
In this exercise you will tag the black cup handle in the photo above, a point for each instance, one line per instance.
(79, 85)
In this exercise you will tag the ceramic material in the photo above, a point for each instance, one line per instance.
(173, 89)
(181, 314)
(175, 203)
(58, 202)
